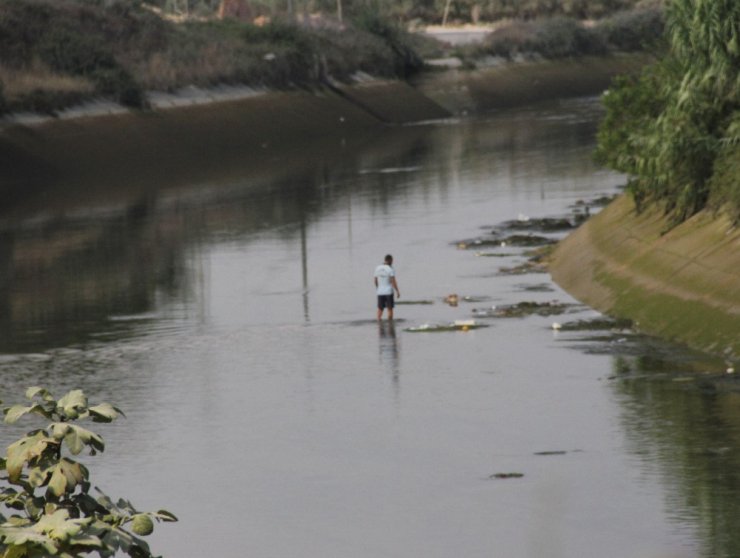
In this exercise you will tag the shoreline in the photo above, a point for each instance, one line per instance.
(681, 284)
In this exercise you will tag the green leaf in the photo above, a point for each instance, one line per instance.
(72, 404)
(105, 412)
(164, 515)
(76, 438)
(15, 412)
(66, 475)
(35, 390)
(26, 450)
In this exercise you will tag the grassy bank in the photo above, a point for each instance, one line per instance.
(681, 284)
(53, 54)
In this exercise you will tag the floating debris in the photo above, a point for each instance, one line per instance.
(506, 476)
(476, 298)
(478, 243)
(457, 325)
(494, 255)
(536, 288)
(455, 299)
(595, 324)
(555, 452)
(522, 309)
(511, 240)
(543, 224)
(414, 302)
(528, 240)
(526, 268)
(451, 299)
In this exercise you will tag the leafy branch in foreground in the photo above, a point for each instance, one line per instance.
(47, 493)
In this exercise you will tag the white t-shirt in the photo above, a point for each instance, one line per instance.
(383, 273)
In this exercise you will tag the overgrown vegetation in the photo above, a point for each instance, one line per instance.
(122, 50)
(676, 129)
(562, 37)
(47, 494)
(57, 53)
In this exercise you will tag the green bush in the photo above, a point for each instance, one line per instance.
(70, 52)
(634, 30)
(724, 186)
(118, 84)
(510, 40)
(562, 37)
(672, 129)
(66, 51)
(407, 61)
(22, 26)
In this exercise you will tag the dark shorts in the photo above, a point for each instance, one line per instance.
(385, 301)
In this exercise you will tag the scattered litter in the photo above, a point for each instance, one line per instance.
(556, 452)
(522, 309)
(506, 476)
(457, 325)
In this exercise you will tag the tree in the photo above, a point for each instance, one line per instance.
(673, 129)
(47, 492)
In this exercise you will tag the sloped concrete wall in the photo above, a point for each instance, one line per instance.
(680, 283)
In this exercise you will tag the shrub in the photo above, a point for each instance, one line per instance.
(634, 30)
(47, 492)
(407, 61)
(511, 39)
(562, 37)
(118, 84)
(724, 186)
(69, 51)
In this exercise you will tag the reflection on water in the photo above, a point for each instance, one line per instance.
(388, 347)
(682, 420)
(230, 313)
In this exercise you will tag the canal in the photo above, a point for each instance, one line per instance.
(233, 319)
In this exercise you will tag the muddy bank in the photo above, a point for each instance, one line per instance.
(683, 284)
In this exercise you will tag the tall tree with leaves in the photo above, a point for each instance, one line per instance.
(667, 132)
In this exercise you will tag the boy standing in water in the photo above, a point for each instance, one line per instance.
(385, 284)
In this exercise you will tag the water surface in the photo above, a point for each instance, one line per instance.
(233, 320)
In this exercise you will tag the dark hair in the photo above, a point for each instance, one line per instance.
(388, 258)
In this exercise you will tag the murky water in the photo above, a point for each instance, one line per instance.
(233, 321)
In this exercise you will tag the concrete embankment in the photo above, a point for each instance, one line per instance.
(679, 283)
(189, 140)
(89, 145)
